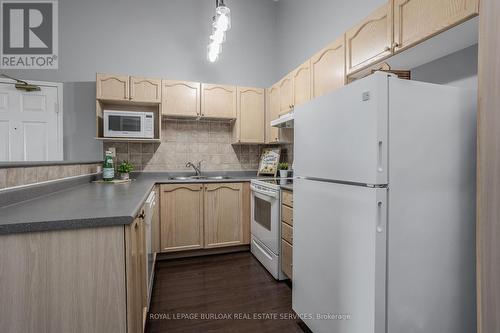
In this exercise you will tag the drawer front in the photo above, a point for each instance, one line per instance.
(287, 233)
(287, 215)
(287, 198)
(286, 258)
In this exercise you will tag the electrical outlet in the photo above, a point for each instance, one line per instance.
(113, 151)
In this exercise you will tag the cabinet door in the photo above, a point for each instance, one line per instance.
(136, 277)
(328, 69)
(249, 126)
(287, 258)
(223, 215)
(112, 87)
(272, 112)
(218, 101)
(370, 41)
(286, 94)
(302, 83)
(181, 223)
(417, 20)
(145, 90)
(181, 98)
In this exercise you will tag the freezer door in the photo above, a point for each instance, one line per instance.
(343, 135)
(339, 257)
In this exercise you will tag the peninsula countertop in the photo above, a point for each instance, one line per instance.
(92, 204)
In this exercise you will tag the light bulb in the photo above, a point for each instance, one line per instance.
(213, 51)
(218, 36)
(222, 18)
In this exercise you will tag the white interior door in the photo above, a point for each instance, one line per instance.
(343, 135)
(339, 256)
(30, 124)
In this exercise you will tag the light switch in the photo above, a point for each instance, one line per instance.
(113, 151)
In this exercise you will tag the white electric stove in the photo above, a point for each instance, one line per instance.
(265, 223)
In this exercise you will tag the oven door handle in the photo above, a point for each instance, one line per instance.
(268, 193)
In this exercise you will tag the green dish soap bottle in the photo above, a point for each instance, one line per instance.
(108, 168)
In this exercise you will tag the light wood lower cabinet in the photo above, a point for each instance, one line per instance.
(287, 258)
(196, 216)
(287, 233)
(417, 20)
(181, 217)
(136, 275)
(67, 281)
(223, 215)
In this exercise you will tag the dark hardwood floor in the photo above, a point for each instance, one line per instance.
(234, 287)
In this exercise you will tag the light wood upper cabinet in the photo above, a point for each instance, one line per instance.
(181, 98)
(417, 20)
(250, 122)
(181, 217)
(272, 112)
(218, 101)
(302, 83)
(145, 90)
(328, 69)
(223, 215)
(371, 40)
(112, 87)
(286, 94)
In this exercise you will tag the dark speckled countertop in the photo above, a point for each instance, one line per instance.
(91, 204)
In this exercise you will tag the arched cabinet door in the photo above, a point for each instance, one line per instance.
(328, 69)
(370, 41)
(302, 83)
(218, 101)
(417, 20)
(145, 89)
(223, 215)
(112, 87)
(181, 99)
(181, 226)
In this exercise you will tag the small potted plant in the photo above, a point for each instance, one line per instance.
(283, 168)
(124, 169)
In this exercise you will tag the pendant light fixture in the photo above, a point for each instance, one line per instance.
(221, 23)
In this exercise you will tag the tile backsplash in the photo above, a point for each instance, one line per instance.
(191, 140)
(17, 176)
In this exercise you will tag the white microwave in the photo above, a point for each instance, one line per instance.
(128, 124)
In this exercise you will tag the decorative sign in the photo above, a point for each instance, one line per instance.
(269, 161)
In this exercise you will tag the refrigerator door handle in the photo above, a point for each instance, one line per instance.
(379, 156)
(380, 224)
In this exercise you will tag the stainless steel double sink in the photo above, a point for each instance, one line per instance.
(201, 178)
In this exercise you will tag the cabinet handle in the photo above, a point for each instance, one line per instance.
(387, 48)
(395, 45)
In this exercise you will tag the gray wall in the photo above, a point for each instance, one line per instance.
(305, 27)
(458, 69)
(157, 38)
(168, 38)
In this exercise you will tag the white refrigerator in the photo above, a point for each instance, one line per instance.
(384, 209)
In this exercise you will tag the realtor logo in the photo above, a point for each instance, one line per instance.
(29, 34)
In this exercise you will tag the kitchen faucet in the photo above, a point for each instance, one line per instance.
(197, 167)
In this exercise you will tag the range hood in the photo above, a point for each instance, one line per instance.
(284, 121)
